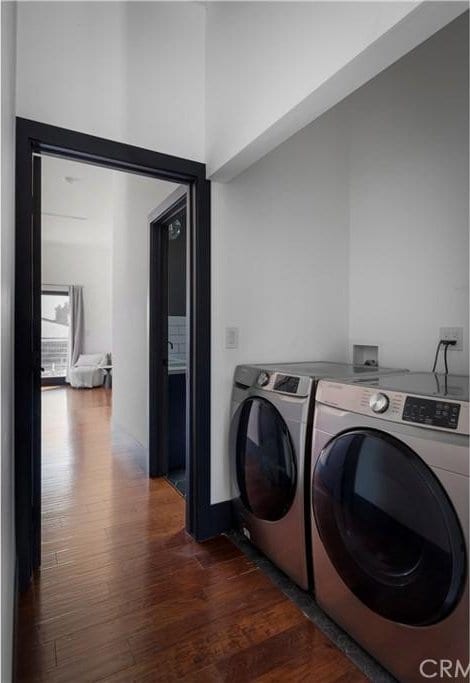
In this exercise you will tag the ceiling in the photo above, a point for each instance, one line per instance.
(77, 202)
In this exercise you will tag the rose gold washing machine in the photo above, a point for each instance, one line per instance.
(390, 508)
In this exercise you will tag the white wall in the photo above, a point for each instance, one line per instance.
(279, 266)
(273, 67)
(353, 231)
(88, 265)
(165, 77)
(132, 71)
(409, 203)
(264, 60)
(8, 22)
(135, 198)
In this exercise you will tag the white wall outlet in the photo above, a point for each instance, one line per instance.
(231, 337)
(451, 333)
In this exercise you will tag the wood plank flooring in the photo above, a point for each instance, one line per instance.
(124, 594)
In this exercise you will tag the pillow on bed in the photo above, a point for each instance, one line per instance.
(92, 359)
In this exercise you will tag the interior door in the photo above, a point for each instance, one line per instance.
(28, 366)
(158, 345)
(177, 310)
(36, 370)
(388, 527)
(265, 459)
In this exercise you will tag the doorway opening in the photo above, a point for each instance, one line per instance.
(95, 346)
(169, 253)
(33, 140)
(177, 342)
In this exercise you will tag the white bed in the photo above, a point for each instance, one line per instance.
(87, 373)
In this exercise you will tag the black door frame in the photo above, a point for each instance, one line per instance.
(203, 520)
(158, 338)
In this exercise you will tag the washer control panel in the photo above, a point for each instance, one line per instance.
(431, 412)
(394, 406)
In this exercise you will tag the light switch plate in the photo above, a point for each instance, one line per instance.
(231, 337)
(451, 333)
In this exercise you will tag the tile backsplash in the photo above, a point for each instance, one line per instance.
(177, 336)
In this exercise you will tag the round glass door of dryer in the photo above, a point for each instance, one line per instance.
(265, 459)
(389, 528)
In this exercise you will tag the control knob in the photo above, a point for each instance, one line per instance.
(263, 379)
(379, 403)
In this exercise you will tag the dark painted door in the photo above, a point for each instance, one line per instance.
(167, 298)
(36, 367)
(158, 345)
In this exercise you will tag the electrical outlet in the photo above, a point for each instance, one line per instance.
(451, 334)
(231, 337)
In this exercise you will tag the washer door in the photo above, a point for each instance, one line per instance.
(265, 459)
(388, 527)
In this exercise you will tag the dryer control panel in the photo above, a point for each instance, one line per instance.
(291, 385)
(286, 383)
(430, 412)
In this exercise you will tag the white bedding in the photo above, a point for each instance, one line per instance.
(86, 376)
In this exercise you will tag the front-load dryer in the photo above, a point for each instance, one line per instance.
(270, 433)
(390, 492)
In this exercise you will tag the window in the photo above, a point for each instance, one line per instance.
(55, 319)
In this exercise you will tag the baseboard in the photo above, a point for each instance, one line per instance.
(53, 381)
(123, 437)
(16, 599)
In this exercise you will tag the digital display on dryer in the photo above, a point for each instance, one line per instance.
(433, 413)
(287, 384)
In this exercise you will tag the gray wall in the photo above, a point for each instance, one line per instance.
(8, 11)
(355, 230)
(408, 170)
(280, 266)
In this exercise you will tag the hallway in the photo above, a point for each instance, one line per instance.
(125, 595)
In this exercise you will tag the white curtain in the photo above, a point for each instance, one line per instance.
(76, 327)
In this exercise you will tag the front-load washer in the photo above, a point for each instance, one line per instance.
(390, 492)
(271, 420)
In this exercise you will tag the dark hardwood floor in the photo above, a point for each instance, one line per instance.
(124, 594)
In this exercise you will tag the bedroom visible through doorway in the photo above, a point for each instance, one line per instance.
(95, 349)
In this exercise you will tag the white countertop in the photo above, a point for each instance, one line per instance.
(176, 367)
